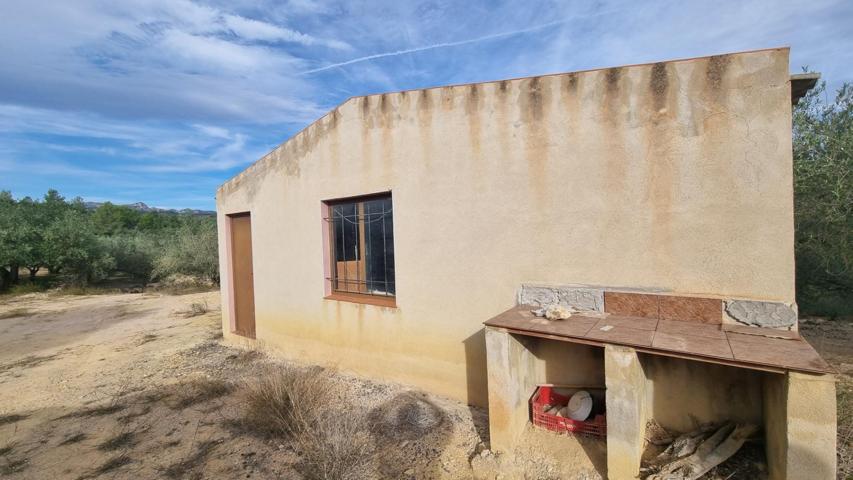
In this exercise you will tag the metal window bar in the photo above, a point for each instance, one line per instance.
(363, 222)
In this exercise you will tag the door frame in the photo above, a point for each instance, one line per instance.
(232, 305)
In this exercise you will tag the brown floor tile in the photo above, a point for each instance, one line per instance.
(632, 304)
(572, 327)
(691, 328)
(711, 347)
(621, 335)
(640, 323)
(691, 309)
(758, 331)
(793, 354)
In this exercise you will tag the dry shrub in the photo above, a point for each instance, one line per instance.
(285, 401)
(300, 404)
(190, 392)
(845, 427)
(339, 447)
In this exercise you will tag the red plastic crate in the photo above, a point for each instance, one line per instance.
(545, 395)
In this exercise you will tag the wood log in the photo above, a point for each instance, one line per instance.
(718, 448)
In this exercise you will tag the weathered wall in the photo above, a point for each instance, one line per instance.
(674, 176)
(682, 392)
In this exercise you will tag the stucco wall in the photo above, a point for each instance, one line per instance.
(673, 176)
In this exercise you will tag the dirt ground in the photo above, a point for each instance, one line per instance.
(140, 386)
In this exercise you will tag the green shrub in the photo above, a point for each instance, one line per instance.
(193, 250)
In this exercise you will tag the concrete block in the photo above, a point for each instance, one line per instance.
(626, 411)
(762, 314)
(582, 298)
(800, 424)
(512, 378)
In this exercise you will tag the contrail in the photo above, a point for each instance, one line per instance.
(450, 44)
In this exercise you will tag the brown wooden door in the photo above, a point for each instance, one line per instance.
(242, 277)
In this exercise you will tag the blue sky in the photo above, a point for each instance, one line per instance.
(161, 101)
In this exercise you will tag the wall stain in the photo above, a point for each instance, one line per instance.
(366, 126)
(715, 73)
(533, 99)
(472, 111)
(425, 125)
(569, 83)
(447, 98)
(658, 85)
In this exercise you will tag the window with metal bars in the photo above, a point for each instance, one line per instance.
(361, 236)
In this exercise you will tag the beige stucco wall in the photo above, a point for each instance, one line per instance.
(673, 176)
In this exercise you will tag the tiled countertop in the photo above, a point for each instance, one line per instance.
(741, 346)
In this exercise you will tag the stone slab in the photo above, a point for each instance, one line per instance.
(762, 314)
(581, 298)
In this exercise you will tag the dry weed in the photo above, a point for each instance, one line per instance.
(95, 411)
(106, 467)
(11, 418)
(338, 447)
(845, 427)
(122, 440)
(191, 392)
(285, 400)
(299, 404)
(185, 467)
(196, 309)
(76, 438)
(29, 361)
(14, 313)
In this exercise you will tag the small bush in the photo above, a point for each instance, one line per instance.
(27, 287)
(286, 401)
(339, 447)
(334, 442)
(192, 251)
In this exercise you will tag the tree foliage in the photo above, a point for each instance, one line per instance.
(88, 245)
(823, 188)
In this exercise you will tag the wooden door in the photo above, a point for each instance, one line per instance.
(242, 276)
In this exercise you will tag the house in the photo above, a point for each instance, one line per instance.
(381, 237)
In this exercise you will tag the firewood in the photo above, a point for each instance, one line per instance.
(716, 449)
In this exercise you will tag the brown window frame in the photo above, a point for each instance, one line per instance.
(358, 288)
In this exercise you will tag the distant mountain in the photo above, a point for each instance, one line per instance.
(142, 207)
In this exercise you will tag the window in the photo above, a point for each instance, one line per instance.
(361, 237)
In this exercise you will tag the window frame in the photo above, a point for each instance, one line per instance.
(329, 254)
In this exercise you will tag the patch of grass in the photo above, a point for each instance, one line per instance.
(76, 438)
(183, 468)
(84, 290)
(286, 400)
(29, 361)
(191, 392)
(247, 356)
(11, 418)
(845, 426)
(95, 411)
(108, 466)
(196, 309)
(339, 446)
(28, 287)
(15, 312)
(146, 338)
(292, 402)
(10, 466)
(126, 418)
(122, 440)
